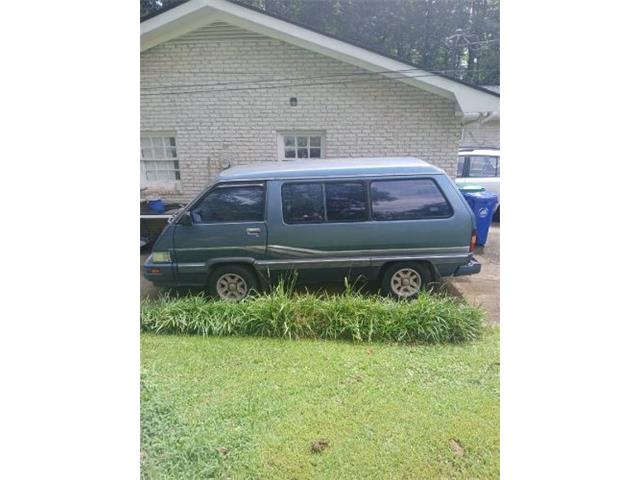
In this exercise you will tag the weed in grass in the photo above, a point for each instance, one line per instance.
(431, 318)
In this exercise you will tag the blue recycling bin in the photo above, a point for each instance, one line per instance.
(156, 205)
(482, 203)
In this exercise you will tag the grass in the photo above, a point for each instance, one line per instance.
(351, 316)
(269, 408)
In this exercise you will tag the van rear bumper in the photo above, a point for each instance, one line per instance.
(470, 268)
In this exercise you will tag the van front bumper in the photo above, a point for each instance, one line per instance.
(470, 268)
(160, 274)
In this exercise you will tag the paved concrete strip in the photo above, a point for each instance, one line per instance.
(484, 288)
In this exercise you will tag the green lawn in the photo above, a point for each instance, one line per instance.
(239, 407)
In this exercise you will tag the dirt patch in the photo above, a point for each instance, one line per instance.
(319, 445)
(456, 447)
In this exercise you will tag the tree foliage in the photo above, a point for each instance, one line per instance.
(459, 38)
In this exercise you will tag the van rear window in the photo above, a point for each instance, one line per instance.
(408, 200)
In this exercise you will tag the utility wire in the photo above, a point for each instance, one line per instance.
(178, 70)
(313, 77)
(482, 41)
(264, 87)
(284, 79)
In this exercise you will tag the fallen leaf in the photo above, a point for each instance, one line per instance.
(223, 451)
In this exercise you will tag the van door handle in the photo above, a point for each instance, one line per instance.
(254, 232)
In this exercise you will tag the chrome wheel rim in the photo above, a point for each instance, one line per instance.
(232, 286)
(406, 282)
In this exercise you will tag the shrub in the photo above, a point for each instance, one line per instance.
(431, 318)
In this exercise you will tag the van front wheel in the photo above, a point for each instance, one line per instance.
(404, 280)
(232, 282)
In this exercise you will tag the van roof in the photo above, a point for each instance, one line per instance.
(341, 167)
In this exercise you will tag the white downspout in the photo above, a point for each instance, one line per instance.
(490, 116)
(479, 117)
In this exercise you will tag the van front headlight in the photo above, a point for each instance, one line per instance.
(161, 257)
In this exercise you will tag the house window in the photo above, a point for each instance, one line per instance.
(159, 159)
(298, 145)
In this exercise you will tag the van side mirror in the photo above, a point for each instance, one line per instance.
(186, 219)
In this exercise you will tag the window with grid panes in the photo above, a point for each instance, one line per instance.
(159, 158)
(295, 146)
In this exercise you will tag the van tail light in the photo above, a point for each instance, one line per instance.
(474, 239)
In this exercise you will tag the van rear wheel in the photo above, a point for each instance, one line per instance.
(405, 280)
(232, 282)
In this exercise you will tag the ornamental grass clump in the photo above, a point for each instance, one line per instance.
(430, 318)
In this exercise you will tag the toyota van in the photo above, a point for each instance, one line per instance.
(401, 221)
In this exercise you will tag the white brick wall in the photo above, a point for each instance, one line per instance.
(380, 117)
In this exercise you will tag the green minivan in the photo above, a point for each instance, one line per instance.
(401, 221)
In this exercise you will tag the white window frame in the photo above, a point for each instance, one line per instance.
(301, 133)
(171, 184)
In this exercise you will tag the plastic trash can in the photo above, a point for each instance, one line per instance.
(156, 205)
(482, 203)
(468, 188)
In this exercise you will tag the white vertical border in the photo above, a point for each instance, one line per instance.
(569, 169)
(69, 348)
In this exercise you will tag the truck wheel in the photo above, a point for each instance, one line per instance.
(232, 282)
(405, 280)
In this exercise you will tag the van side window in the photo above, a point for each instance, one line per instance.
(408, 200)
(231, 204)
(303, 203)
(346, 202)
(483, 166)
(460, 166)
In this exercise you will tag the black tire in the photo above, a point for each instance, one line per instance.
(496, 215)
(246, 282)
(389, 276)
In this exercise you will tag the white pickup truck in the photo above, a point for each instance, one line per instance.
(480, 166)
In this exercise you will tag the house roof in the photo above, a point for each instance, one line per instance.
(492, 88)
(190, 15)
(335, 167)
